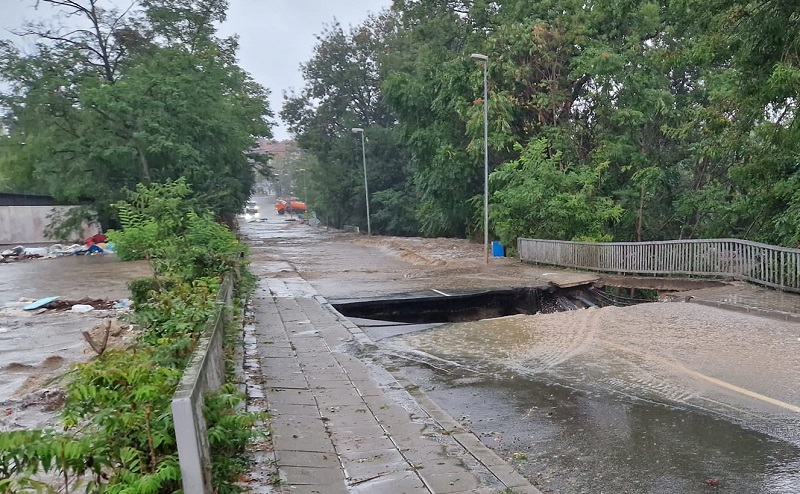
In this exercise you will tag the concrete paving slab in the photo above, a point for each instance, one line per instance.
(330, 385)
(392, 414)
(337, 397)
(428, 453)
(307, 459)
(312, 476)
(296, 382)
(442, 465)
(275, 351)
(288, 438)
(278, 409)
(367, 388)
(347, 440)
(412, 429)
(310, 345)
(280, 367)
(481, 452)
(395, 483)
(450, 483)
(317, 363)
(348, 416)
(290, 396)
(340, 376)
(363, 465)
(314, 489)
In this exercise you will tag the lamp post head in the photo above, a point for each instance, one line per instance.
(356, 130)
(479, 58)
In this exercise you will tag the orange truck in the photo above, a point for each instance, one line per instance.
(292, 206)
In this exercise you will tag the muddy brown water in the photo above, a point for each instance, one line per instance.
(656, 398)
(36, 348)
(581, 405)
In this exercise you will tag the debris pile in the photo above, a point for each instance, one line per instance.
(85, 304)
(93, 245)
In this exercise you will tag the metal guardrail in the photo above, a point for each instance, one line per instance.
(769, 265)
(205, 372)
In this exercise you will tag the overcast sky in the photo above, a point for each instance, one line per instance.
(276, 36)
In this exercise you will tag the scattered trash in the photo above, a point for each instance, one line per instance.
(35, 251)
(94, 303)
(40, 303)
(94, 245)
(81, 308)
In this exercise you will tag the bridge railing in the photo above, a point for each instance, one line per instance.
(768, 265)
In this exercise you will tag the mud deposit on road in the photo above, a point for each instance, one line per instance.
(636, 399)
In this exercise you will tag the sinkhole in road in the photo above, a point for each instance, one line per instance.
(440, 307)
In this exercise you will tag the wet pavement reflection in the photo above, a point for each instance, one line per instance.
(569, 440)
(622, 399)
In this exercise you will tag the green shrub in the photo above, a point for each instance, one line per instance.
(118, 434)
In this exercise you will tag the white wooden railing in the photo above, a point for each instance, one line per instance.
(777, 267)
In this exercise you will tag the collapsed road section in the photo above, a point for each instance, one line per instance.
(436, 306)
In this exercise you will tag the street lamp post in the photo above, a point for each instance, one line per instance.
(305, 195)
(357, 130)
(485, 61)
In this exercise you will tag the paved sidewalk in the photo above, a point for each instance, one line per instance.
(341, 424)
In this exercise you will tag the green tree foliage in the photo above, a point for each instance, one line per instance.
(566, 199)
(688, 107)
(342, 92)
(148, 94)
(160, 224)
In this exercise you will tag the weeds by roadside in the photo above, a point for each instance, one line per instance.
(118, 433)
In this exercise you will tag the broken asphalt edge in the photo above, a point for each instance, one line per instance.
(498, 467)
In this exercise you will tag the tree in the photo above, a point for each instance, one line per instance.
(101, 110)
(538, 196)
(342, 91)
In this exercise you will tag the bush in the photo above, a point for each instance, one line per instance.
(118, 434)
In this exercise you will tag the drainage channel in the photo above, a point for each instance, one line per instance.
(438, 306)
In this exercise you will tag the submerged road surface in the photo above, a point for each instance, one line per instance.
(654, 398)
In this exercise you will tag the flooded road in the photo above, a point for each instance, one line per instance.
(654, 398)
(623, 399)
(587, 440)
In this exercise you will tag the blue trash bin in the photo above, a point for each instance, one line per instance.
(498, 250)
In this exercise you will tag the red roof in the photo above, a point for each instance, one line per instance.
(275, 148)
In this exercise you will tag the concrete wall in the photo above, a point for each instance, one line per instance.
(204, 373)
(21, 225)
